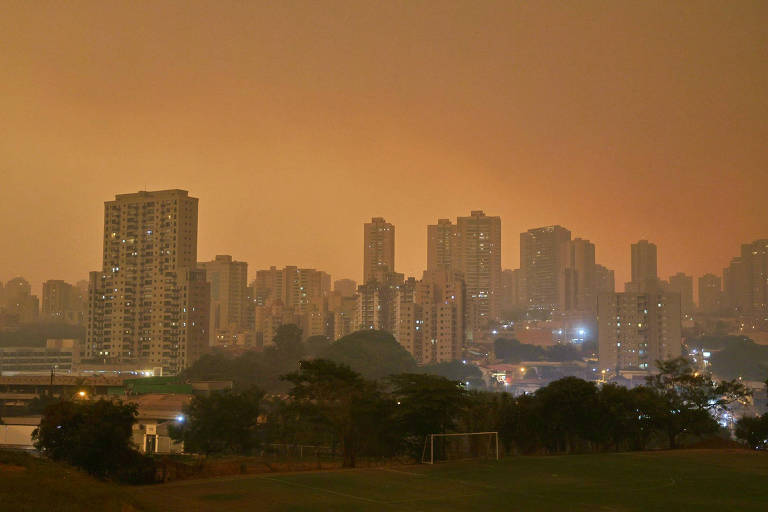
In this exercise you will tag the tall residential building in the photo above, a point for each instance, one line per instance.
(736, 292)
(543, 260)
(604, 280)
(478, 259)
(580, 292)
(19, 301)
(429, 317)
(441, 246)
(637, 329)
(149, 302)
(289, 295)
(710, 294)
(746, 281)
(378, 249)
(645, 275)
(683, 284)
(63, 302)
(512, 290)
(229, 299)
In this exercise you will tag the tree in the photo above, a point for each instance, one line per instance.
(566, 408)
(339, 399)
(754, 431)
(691, 398)
(374, 354)
(425, 404)
(223, 422)
(315, 345)
(94, 436)
(287, 342)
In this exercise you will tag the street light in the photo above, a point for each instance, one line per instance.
(81, 394)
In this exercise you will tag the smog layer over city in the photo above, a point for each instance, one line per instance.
(399, 255)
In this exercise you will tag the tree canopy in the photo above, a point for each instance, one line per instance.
(223, 422)
(373, 354)
(94, 436)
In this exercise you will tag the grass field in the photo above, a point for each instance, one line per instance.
(696, 480)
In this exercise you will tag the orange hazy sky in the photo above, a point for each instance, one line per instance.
(295, 122)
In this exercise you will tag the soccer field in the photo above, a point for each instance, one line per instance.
(697, 480)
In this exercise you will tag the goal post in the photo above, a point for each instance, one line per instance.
(460, 446)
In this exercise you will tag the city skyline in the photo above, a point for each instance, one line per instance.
(526, 113)
(625, 270)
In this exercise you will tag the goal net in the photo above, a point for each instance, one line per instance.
(463, 446)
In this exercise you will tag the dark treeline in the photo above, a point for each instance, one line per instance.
(373, 354)
(321, 402)
(332, 405)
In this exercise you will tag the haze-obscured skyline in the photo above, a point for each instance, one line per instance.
(295, 123)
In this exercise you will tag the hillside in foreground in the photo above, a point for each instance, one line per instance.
(700, 480)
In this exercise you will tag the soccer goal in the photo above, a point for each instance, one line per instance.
(463, 446)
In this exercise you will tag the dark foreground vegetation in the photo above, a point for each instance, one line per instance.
(331, 406)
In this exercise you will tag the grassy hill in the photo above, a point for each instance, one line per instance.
(28, 484)
(699, 480)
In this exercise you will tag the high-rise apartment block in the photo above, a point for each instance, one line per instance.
(580, 285)
(429, 316)
(63, 302)
(637, 329)
(644, 261)
(19, 303)
(378, 250)
(512, 290)
(746, 281)
(229, 300)
(477, 257)
(683, 284)
(290, 295)
(710, 294)
(544, 257)
(441, 246)
(149, 302)
(605, 282)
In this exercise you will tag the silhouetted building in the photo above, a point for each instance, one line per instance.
(149, 302)
(604, 280)
(683, 284)
(580, 290)
(710, 294)
(512, 290)
(63, 302)
(543, 260)
(644, 261)
(20, 304)
(229, 300)
(378, 249)
(441, 246)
